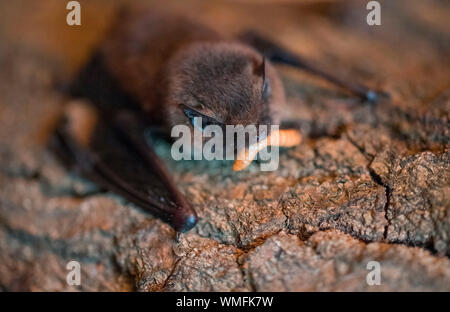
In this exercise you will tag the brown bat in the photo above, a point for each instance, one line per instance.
(160, 70)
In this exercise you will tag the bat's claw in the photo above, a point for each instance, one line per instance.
(184, 220)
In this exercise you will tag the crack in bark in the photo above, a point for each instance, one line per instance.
(388, 191)
(172, 271)
(247, 277)
(378, 180)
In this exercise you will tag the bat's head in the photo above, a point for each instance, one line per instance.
(225, 83)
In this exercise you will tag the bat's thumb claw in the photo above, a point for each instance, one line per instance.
(184, 220)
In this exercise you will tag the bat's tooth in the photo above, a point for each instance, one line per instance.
(82, 120)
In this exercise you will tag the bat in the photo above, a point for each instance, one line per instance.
(156, 70)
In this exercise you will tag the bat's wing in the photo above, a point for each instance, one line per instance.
(116, 156)
(279, 54)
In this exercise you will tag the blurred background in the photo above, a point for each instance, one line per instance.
(322, 29)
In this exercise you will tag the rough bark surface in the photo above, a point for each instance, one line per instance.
(370, 182)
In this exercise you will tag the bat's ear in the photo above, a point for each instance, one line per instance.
(261, 70)
(192, 113)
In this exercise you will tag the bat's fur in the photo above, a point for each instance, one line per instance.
(164, 60)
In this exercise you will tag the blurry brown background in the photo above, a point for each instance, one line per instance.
(369, 183)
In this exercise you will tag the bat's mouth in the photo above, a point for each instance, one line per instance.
(281, 138)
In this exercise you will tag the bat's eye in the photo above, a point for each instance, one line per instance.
(198, 119)
(200, 123)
